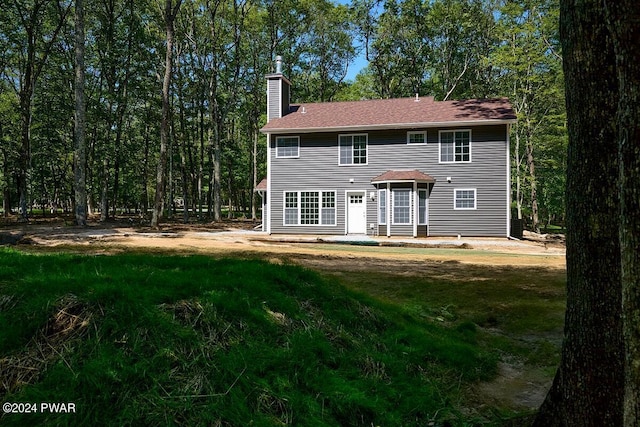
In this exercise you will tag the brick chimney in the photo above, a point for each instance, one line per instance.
(278, 93)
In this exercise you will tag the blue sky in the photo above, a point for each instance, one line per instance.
(356, 66)
(359, 63)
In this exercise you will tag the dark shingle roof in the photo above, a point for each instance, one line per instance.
(262, 185)
(390, 113)
(403, 175)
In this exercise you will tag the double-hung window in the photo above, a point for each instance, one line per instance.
(328, 210)
(422, 207)
(401, 206)
(352, 149)
(464, 199)
(382, 207)
(310, 208)
(287, 147)
(291, 208)
(455, 146)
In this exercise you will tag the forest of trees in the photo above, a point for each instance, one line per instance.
(206, 108)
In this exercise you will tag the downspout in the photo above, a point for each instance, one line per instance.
(427, 208)
(266, 211)
(416, 208)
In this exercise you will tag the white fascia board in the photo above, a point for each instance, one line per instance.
(403, 181)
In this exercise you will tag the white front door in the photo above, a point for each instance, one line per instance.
(356, 213)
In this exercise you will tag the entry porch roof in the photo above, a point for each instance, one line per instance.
(413, 175)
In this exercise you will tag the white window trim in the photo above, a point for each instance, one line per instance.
(366, 162)
(299, 208)
(475, 199)
(422, 132)
(454, 146)
(393, 206)
(287, 137)
(382, 196)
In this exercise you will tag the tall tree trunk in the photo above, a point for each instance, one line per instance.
(254, 170)
(116, 171)
(201, 162)
(588, 387)
(25, 143)
(231, 207)
(91, 204)
(216, 154)
(145, 169)
(201, 159)
(185, 187)
(215, 119)
(533, 182)
(6, 191)
(104, 197)
(624, 23)
(80, 123)
(170, 12)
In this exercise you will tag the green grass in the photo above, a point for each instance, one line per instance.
(523, 304)
(193, 340)
(515, 312)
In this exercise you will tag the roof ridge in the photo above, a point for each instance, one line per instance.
(300, 104)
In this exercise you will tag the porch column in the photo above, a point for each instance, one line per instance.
(416, 211)
(388, 196)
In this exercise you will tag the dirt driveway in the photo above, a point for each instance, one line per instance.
(319, 251)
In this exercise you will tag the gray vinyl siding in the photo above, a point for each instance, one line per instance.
(317, 169)
(273, 89)
(278, 106)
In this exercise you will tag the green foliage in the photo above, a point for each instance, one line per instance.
(196, 340)
(531, 76)
(447, 49)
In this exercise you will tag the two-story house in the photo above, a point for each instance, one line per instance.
(390, 167)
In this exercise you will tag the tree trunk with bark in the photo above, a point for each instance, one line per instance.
(588, 387)
(170, 12)
(601, 385)
(104, 197)
(624, 22)
(254, 174)
(533, 182)
(80, 122)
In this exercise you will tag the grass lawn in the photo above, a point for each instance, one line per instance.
(141, 339)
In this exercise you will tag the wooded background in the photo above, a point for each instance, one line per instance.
(222, 49)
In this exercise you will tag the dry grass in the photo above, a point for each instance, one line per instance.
(69, 322)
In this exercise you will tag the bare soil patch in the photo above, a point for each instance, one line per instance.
(235, 236)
